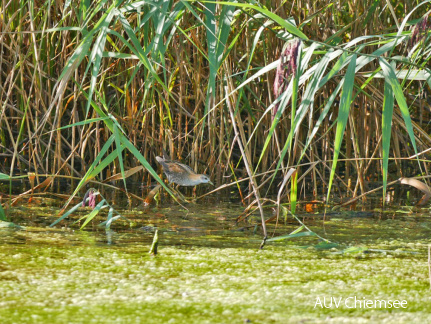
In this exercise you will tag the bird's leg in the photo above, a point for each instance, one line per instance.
(182, 196)
(192, 198)
(189, 199)
(178, 194)
(174, 191)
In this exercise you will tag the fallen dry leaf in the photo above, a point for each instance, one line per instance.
(418, 185)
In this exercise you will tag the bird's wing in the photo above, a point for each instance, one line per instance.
(184, 168)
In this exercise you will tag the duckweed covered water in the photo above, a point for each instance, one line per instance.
(209, 270)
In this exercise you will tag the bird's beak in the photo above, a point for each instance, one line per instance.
(211, 182)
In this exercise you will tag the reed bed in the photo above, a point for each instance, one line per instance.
(337, 90)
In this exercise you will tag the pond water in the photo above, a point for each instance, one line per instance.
(210, 270)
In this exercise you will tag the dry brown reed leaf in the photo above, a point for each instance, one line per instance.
(128, 173)
(151, 194)
(44, 184)
(418, 185)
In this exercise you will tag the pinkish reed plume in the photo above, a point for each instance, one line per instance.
(91, 195)
(286, 68)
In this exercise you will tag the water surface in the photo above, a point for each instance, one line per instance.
(209, 269)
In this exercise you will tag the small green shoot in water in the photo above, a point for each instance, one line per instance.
(155, 244)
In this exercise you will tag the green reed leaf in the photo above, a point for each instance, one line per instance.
(391, 78)
(93, 213)
(119, 150)
(70, 211)
(388, 108)
(2, 214)
(282, 22)
(343, 114)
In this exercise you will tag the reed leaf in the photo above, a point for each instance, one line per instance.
(343, 114)
(93, 213)
(97, 52)
(286, 24)
(144, 162)
(89, 173)
(303, 62)
(391, 78)
(293, 193)
(104, 163)
(70, 211)
(119, 153)
(109, 219)
(334, 70)
(84, 122)
(2, 214)
(388, 107)
(4, 176)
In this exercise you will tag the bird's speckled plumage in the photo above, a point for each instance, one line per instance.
(181, 174)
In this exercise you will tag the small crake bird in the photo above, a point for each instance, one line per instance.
(181, 174)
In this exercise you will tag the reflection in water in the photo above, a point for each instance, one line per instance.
(216, 225)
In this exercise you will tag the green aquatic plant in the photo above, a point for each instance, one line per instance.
(90, 199)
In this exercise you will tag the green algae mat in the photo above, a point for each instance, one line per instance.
(210, 270)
